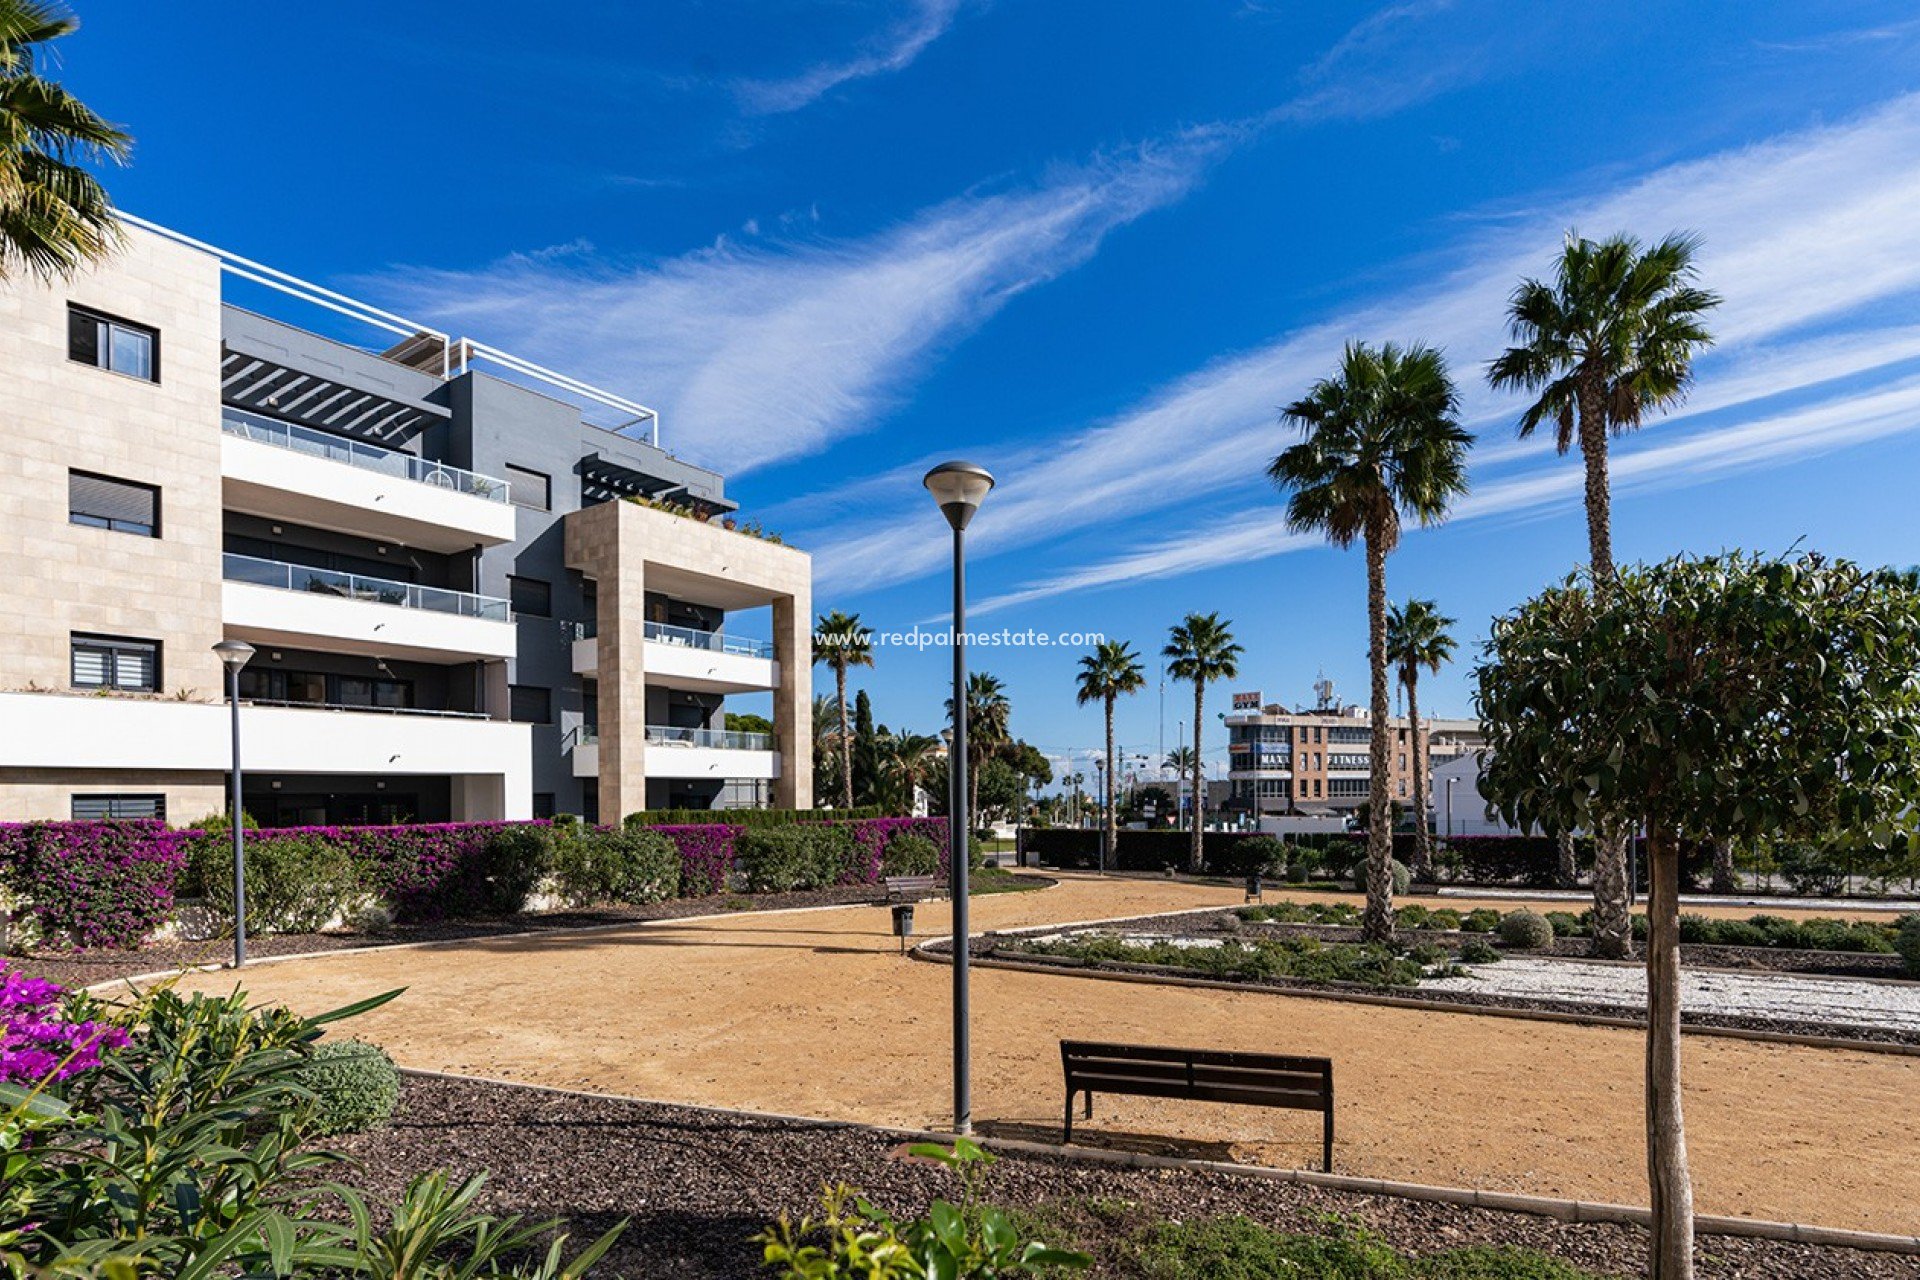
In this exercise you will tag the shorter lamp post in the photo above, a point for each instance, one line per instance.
(959, 488)
(1450, 782)
(235, 654)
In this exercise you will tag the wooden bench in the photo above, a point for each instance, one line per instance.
(1205, 1075)
(910, 888)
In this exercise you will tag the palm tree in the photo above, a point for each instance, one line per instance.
(1180, 760)
(988, 712)
(54, 215)
(1112, 669)
(1417, 637)
(905, 764)
(841, 642)
(1609, 341)
(826, 746)
(1380, 443)
(1200, 649)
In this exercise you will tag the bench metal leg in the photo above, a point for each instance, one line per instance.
(1067, 1129)
(1326, 1157)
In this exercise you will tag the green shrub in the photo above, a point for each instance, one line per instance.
(296, 883)
(512, 863)
(1477, 950)
(629, 865)
(1308, 959)
(1480, 920)
(1412, 916)
(373, 919)
(1245, 857)
(1568, 925)
(1443, 918)
(1397, 870)
(908, 854)
(802, 856)
(1297, 872)
(1238, 1248)
(1907, 942)
(355, 1086)
(1526, 930)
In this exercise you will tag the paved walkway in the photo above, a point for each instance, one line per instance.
(815, 1013)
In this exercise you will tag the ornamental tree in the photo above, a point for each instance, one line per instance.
(1730, 697)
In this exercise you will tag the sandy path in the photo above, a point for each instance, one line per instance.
(814, 1013)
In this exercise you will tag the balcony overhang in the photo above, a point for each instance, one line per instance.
(603, 479)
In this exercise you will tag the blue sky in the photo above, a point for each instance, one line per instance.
(1093, 246)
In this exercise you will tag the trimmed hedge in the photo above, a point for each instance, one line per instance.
(633, 866)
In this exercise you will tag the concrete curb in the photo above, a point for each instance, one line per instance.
(923, 952)
(1540, 1206)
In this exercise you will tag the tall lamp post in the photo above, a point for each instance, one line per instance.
(235, 654)
(959, 488)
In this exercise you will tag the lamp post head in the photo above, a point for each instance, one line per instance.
(235, 653)
(959, 488)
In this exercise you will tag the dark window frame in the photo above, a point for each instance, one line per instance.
(90, 520)
(103, 351)
(154, 804)
(517, 476)
(111, 647)
(546, 693)
(545, 609)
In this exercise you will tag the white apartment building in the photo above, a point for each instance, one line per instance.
(467, 599)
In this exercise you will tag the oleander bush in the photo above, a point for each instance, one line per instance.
(910, 854)
(784, 859)
(298, 881)
(632, 866)
(1526, 930)
(355, 1086)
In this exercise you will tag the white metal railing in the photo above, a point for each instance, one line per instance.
(716, 641)
(579, 629)
(727, 739)
(583, 735)
(355, 453)
(361, 706)
(353, 586)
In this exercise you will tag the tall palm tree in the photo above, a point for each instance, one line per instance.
(1110, 671)
(54, 215)
(905, 765)
(826, 746)
(1201, 649)
(1381, 443)
(1180, 760)
(1608, 342)
(842, 643)
(988, 713)
(1417, 637)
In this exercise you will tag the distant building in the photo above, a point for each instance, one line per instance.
(1459, 808)
(1315, 760)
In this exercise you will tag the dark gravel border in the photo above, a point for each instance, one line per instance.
(85, 968)
(696, 1185)
(1203, 924)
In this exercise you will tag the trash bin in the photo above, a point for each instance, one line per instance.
(903, 922)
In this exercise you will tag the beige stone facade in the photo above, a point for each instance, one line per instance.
(1319, 760)
(629, 549)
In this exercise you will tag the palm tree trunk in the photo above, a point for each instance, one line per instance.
(1110, 843)
(1422, 832)
(1377, 924)
(1668, 1179)
(1567, 872)
(846, 739)
(1612, 921)
(1197, 853)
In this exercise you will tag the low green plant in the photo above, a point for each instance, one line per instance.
(1907, 942)
(1412, 916)
(1238, 1248)
(1477, 950)
(910, 854)
(1397, 870)
(434, 1233)
(854, 1240)
(355, 1086)
(1526, 930)
(1443, 918)
(1297, 872)
(1480, 920)
(1262, 855)
(632, 866)
(1307, 959)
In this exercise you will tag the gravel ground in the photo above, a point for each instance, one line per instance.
(1763, 998)
(84, 968)
(697, 1185)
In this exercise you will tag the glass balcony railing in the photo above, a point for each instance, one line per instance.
(666, 735)
(368, 457)
(714, 641)
(353, 586)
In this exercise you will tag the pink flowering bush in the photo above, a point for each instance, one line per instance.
(36, 1043)
(93, 884)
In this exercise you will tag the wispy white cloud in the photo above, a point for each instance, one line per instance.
(1801, 233)
(892, 50)
(765, 347)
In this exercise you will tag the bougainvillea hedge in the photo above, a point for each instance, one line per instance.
(111, 884)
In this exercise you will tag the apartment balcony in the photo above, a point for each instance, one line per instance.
(80, 732)
(688, 658)
(273, 602)
(302, 475)
(583, 746)
(674, 752)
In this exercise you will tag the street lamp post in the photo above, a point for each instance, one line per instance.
(959, 488)
(1450, 782)
(235, 654)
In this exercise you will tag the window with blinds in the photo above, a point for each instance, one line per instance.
(107, 342)
(102, 502)
(529, 704)
(114, 808)
(530, 596)
(530, 489)
(110, 662)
